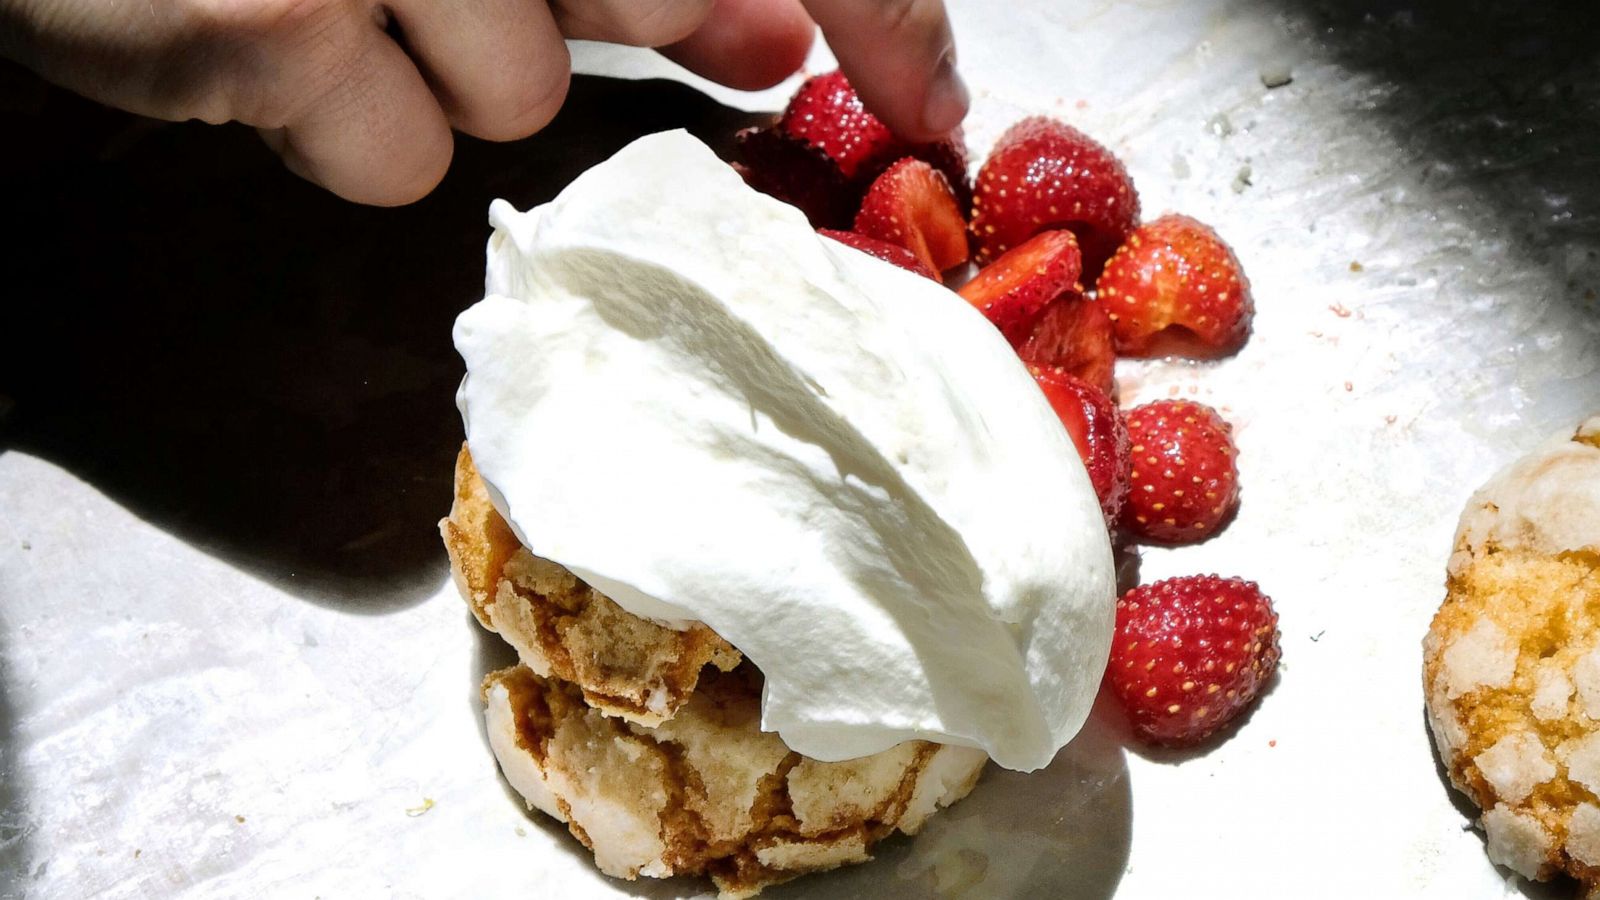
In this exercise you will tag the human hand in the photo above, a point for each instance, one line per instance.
(360, 96)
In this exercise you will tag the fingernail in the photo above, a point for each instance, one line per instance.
(947, 97)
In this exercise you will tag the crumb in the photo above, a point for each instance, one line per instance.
(1340, 310)
(1272, 743)
(1081, 104)
(136, 852)
(427, 804)
(26, 545)
(1390, 420)
(1276, 75)
(1357, 267)
(1242, 180)
(1348, 386)
(521, 832)
(239, 819)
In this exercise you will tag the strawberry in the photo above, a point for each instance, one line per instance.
(1013, 289)
(799, 175)
(825, 113)
(1097, 430)
(1183, 481)
(1073, 333)
(1189, 654)
(889, 253)
(911, 205)
(1175, 273)
(1046, 174)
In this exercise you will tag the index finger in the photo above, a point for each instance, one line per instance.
(900, 56)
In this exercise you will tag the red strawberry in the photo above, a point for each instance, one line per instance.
(1013, 289)
(1175, 273)
(889, 253)
(1097, 431)
(796, 174)
(1073, 333)
(1183, 481)
(826, 113)
(911, 205)
(1047, 174)
(1190, 654)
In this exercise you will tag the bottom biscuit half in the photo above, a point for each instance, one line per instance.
(707, 792)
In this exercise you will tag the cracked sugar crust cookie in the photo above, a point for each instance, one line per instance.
(626, 666)
(708, 792)
(1511, 663)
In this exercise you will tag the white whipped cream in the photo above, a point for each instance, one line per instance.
(679, 391)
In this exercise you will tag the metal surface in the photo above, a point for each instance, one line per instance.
(230, 657)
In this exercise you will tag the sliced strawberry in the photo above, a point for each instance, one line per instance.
(801, 176)
(889, 253)
(949, 156)
(1013, 289)
(826, 113)
(911, 205)
(1073, 333)
(1097, 431)
(1190, 654)
(1183, 480)
(1046, 174)
(1176, 275)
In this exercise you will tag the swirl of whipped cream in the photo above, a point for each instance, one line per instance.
(680, 392)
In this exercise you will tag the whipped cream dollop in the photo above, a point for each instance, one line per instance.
(679, 391)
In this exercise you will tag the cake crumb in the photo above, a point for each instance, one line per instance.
(1276, 75)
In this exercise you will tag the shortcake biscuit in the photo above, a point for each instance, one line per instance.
(1511, 668)
(708, 792)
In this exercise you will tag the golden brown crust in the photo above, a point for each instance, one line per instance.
(626, 666)
(708, 792)
(1511, 666)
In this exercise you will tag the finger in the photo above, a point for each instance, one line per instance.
(639, 23)
(374, 132)
(900, 57)
(747, 44)
(499, 67)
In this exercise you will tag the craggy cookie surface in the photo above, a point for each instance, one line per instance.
(561, 627)
(1512, 660)
(708, 792)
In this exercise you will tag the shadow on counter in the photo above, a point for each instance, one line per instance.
(1498, 103)
(247, 361)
